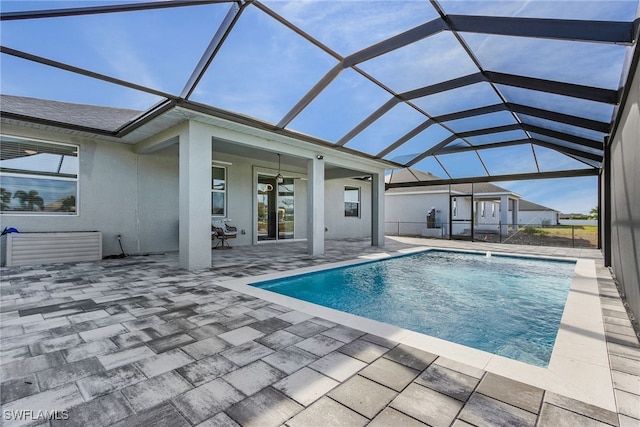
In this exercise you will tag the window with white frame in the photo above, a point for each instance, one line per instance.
(218, 191)
(454, 207)
(38, 177)
(482, 209)
(352, 202)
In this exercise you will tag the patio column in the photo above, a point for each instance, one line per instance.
(195, 197)
(504, 215)
(315, 206)
(377, 209)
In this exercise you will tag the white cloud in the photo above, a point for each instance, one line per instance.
(584, 63)
(114, 46)
(348, 26)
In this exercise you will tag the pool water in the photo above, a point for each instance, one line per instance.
(508, 306)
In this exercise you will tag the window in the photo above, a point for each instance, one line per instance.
(493, 210)
(352, 202)
(38, 177)
(218, 191)
(454, 207)
(482, 209)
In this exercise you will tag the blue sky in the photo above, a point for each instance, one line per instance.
(264, 68)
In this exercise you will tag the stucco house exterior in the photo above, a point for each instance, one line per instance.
(534, 214)
(443, 210)
(154, 184)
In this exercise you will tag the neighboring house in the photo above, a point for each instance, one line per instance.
(158, 180)
(534, 214)
(443, 210)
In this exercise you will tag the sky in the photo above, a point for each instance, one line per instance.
(264, 68)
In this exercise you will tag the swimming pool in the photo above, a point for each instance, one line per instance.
(505, 305)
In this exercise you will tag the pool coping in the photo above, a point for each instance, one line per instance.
(579, 365)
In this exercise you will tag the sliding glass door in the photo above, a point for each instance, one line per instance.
(285, 209)
(275, 208)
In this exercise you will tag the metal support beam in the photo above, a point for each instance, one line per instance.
(606, 210)
(535, 129)
(311, 95)
(385, 46)
(598, 145)
(607, 96)
(296, 30)
(550, 145)
(568, 150)
(599, 212)
(629, 69)
(214, 46)
(471, 113)
(410, 36)
(432, 150)
(443, 86)
(559, 29)
(561, 118)
(94, 10)
(144, 118)
(497, 178)
(377, 209)
(368, 121)
(81, 71)
(485, 131)
(408, 136)
(452, 150)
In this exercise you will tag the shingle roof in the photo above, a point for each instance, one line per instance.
(408, 175)
(90, 116)
(525, 205)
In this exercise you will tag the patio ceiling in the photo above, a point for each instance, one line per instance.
(469, 90)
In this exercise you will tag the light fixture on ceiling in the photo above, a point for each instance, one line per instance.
(279, 177)
(30, 152)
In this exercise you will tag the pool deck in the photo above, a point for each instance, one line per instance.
(139, 341)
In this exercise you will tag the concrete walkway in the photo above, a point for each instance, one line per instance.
(138, 341)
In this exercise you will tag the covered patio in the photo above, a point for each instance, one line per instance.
(140, 341)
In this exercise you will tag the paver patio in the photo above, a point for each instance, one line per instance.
(138, 341)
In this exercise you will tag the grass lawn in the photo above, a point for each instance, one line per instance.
(584, 235)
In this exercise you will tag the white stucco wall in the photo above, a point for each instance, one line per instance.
(407, 212)
(338, 226)
(537, 218)
(158, 201)
(491, 218)
(120, 193)
(242, 176)
(136, 196)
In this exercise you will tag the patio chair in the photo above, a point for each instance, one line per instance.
(222, 231)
